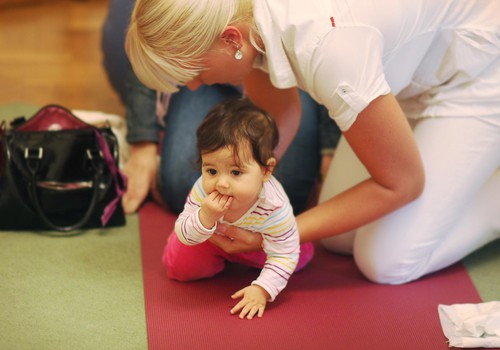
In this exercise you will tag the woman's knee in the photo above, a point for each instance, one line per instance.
(385, 268)
(340, 244)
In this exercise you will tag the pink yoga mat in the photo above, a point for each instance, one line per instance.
(328, 305)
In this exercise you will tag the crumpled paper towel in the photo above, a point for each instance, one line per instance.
(117, 124)
(471, 325)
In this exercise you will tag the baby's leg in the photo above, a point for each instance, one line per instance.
(187, 263)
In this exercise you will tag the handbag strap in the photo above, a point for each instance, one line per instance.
(33, 162)
(119, 179)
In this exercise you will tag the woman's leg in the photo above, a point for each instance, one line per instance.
(456, 214)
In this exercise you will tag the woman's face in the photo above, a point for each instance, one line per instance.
(220, 66)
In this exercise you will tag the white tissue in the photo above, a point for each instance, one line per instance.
(471, 325)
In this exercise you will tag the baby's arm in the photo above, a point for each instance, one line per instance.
(282, 246)
(272, 280)
(189, 228)
(213, 207)
(281, 243)
(276, 272)
(253, 301)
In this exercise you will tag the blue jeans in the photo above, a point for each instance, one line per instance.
(297, 170)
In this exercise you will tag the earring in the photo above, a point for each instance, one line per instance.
(238, 55)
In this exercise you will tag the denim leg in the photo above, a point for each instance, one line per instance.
(178, 168)
(329, 132)
(298, 170)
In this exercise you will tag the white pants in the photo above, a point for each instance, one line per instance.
(458, 212)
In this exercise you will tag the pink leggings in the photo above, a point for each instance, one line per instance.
(188, 263)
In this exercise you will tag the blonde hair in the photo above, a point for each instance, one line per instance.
(166, 38)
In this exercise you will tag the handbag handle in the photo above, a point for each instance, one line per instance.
(32, 162)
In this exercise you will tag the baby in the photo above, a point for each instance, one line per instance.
(235, 144)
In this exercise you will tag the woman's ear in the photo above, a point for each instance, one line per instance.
(269, 168)
(232, 36)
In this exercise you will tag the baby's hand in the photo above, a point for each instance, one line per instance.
(253, 302)
(213, 207)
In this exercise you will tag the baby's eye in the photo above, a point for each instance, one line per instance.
(212, 171)
(235, 172)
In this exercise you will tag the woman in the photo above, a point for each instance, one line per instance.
(430, 193)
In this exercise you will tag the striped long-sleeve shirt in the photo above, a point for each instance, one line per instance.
(271, 216)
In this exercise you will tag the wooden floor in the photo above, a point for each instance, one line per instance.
(50, 53)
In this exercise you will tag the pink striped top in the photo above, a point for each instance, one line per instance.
(271, 216)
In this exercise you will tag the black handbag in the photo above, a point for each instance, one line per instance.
(59, 173)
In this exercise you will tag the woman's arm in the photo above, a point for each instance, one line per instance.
(383, 141)
(283, 104)
(141, 170)
(143, 134)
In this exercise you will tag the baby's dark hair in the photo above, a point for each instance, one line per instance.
(233, 122)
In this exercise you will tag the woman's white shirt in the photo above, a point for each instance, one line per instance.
(345, 53)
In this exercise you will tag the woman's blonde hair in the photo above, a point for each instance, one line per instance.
(166, 38)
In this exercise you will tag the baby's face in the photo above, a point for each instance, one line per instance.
(243, 181)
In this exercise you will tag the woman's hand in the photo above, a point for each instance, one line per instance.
(253, 302)
(236, 240)
(141, 170)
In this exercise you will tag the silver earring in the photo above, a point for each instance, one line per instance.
(238, 55)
